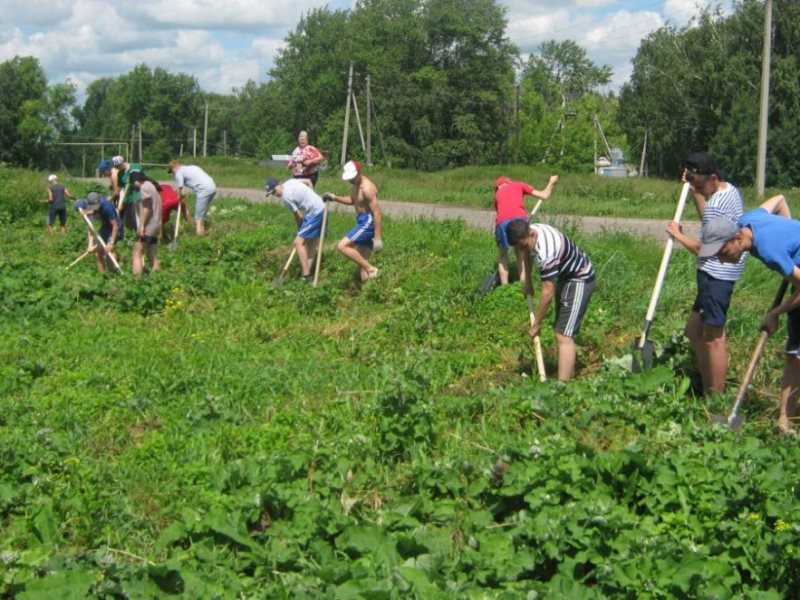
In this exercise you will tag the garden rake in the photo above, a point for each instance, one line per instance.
(645, 347)
(106, 254)
(734, 420)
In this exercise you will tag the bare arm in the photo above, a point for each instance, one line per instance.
(545, 193)
(777, 205)
(699, 203)
(675, 231)
(49, 196)
(548, 291)
(376, 215)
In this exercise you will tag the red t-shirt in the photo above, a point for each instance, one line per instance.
(509, 201)
(169, 202)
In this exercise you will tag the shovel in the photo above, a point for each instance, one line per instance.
(319, 250)
(492, 280)
(107, 255)
(279, 278)
(734, 420)
(173, 245)
(645, 347)
(537, 343)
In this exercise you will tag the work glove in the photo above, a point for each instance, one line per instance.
(328, 197)
(377, 245)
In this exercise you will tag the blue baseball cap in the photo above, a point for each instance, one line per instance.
(272, 183)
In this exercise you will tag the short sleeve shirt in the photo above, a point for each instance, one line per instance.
(509, 201)
(776, 240)
(195, 179)
(723, 203)
(307, 153)
(299, 197)
(559, 257)
(150, 198)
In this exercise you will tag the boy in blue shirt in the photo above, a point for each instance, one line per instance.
(773, 237)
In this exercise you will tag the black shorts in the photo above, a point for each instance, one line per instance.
(713, 299)
(573, 298)
(52, 213)
(147, 239)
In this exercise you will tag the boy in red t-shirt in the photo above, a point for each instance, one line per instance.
(509, 204)
(169, 202)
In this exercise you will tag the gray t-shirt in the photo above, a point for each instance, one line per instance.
(195, 179)
(150, 198)
(298, 196)
(57, 191)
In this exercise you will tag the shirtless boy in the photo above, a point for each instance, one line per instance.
(365, 237)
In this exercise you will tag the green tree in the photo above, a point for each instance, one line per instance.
(22, 103)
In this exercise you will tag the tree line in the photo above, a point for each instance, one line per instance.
(448, 88)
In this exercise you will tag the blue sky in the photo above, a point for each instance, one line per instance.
(226, 42)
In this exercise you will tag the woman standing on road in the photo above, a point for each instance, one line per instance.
(305, 160)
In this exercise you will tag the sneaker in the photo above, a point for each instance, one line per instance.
(305, 278)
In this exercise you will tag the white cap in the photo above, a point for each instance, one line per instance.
(117, 160)
(52, 178)
(351, 170)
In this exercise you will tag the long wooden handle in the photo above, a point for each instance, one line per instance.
(77, 260)
(755, 358)
(536, 208)
(537, 343)
(288, 261)
(319, 249)
(177, 222)
(662, 270)
(100, 242)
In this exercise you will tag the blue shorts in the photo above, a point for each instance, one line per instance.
(793, 328)
(500, 235)
(713, 299)
(311, 226)
(362, 234)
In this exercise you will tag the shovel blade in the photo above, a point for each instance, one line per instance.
(642, 358)
(734, 423)
(490, 282)
(278, 280)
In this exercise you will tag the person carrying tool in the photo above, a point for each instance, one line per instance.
(170, 202)
(773, 237)
(365, 237)
(509, 204)
(149, 219)
(705, 328)
(565, 271)
(308, 210)
(98, 206)
(200, 182)
(124, 195)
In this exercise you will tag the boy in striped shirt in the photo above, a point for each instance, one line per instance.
(566, 272)
(713, 198)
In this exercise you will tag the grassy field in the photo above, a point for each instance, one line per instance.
(201, 433)
(466, 186)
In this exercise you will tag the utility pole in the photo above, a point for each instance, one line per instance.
(644, 155)
(358, 122)
(347, 114)
(140, 141)
(224, 142)
(205, 133)
(763, 123)
(369, 124)
(516, 128)
(194, 143)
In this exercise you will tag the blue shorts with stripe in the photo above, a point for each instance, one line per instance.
(500, 234)
(364, 231)
(311, 226)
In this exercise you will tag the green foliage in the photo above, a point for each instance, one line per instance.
(202, 433)
(697, 88)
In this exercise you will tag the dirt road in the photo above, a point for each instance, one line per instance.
(484, 219)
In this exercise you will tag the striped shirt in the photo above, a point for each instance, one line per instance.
(559, 258)
(726, 203)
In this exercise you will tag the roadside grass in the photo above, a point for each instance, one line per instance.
(202, 433)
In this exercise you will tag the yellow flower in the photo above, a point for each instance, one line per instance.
(781, 525)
